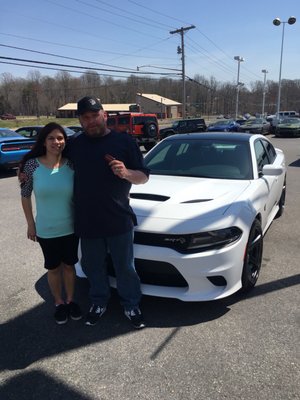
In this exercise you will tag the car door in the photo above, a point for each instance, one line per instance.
(265, 154)
(182, 127)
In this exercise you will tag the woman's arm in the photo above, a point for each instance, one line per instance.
(27, 208)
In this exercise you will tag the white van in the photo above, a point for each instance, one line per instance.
(286, 114)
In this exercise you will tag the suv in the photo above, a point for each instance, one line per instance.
(143, 127)
(184, 126)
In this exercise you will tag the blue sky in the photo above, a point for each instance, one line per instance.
(124, 34)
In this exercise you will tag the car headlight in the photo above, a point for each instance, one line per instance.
(191, 243)
(211, 239)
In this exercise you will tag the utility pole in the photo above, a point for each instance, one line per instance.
(180, 50)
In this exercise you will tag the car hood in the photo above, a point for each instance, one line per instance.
(249, 126)
(289, 125)
(222, 126)
(183, 199)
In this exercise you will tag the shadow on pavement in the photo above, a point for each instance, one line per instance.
(38, 385)
(34, 335)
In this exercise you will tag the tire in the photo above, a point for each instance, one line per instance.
(150, 130)
(281, 203)
(253, 257)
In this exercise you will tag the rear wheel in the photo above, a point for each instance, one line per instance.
(253, 257)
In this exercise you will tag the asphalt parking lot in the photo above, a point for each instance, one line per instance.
(244, 348)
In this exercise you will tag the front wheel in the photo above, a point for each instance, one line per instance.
(253, 257)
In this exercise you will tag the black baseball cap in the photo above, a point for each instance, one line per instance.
(88, 103)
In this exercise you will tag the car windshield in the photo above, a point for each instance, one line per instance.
(254, 121)
(290, 121)
(8, 133)
(208, 158)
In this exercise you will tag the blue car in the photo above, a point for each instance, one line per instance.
(13, 146)
(224, 125)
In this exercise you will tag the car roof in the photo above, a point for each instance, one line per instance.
(30, 126)
(242, 137)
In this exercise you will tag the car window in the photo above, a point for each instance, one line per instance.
(205, 158)
(270, 150)
(140, 120)
(28, 132)
(261, 154)
(111, 121)
(123, 120)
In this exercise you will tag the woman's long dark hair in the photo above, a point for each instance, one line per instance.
(39, 148)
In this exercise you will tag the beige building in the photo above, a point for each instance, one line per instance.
(148, 103)
(161, 106)
(69, 110)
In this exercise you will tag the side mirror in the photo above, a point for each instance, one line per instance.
(271, 170)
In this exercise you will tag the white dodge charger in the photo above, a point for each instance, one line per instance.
(203, 213)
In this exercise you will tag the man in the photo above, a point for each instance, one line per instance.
(106, 164)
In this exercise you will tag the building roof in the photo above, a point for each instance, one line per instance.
(159, 99)
(106, 107)
(125, 107)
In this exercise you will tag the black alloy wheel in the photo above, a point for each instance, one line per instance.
(253, 257)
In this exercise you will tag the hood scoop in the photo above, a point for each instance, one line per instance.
(148, 196)
(195, 201)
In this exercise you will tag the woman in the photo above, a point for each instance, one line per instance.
(50, 177)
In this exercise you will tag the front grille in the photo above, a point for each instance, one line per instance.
(289, 132)
(155, 273)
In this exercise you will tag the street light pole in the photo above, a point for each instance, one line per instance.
(239, 60)
(264, 71)
(277, 22)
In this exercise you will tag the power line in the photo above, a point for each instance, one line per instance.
(85, 67)
(59, 56)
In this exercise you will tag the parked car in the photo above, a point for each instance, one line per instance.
(7, 116)
(224, 125)
(184, 126)
(256, 125)
(75, 128)
(288, 127)
(203, 213)
(29, 131)
(13, 146)
(33, 131)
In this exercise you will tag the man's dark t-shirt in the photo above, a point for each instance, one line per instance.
(102, 199)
